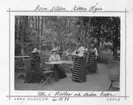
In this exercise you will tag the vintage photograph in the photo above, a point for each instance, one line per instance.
(67, 53)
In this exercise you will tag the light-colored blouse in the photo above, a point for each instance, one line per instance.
(80, 51)
(54, 57)
(95, 50)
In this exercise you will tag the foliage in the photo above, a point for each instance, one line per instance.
(45, 32)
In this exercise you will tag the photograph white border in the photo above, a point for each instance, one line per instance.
(122, 45)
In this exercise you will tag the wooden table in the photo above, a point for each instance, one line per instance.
(22, 56)
(60, 62)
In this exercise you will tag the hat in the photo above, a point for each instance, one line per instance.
(54, 49)
(35, 50)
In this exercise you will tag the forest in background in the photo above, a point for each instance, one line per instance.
(46, 32)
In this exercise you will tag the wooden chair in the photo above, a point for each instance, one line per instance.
(47, 72)
(114, 74)
(114, 84)
(47, 76)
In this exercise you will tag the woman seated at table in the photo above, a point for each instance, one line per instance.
(34, 75)
(78, 71)
(59, 72)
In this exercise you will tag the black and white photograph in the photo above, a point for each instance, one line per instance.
(73, 52)
(67, 53)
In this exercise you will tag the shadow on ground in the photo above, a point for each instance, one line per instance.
(95, 82)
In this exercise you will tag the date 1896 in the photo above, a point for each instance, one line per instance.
(60, 99)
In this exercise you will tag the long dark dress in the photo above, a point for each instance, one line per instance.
(78, 71)
(34, 73)
(59, 72)
(92, 68)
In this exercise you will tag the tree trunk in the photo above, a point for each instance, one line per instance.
(22, 35)
(88, 41)
(88, 46)
(115, 45)
(98, 38)
(38, 31)
(41, 33)
(18, 36)
(36, 21)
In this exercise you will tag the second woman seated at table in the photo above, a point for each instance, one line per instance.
(59, 72)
